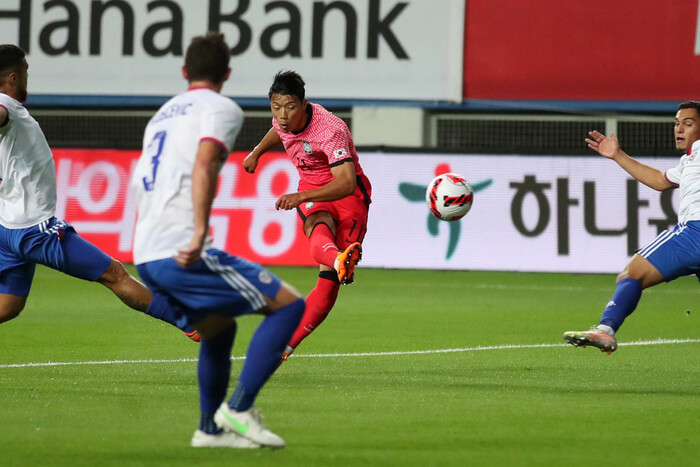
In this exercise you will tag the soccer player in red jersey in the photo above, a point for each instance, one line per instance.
(333, 196)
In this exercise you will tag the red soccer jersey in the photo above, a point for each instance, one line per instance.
(325, 142)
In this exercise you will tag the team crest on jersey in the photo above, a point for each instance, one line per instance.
(340, 153)
(265, 277)
(307, 147)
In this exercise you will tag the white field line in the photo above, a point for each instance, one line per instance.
(361, 354)
(558, 288)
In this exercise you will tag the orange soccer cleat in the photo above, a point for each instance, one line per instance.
(346, 261)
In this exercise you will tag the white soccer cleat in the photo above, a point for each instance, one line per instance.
(248, 424)
(225, 439)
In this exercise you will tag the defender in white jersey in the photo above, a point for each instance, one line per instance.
(673, 253)
(185, 145)
(29, 232)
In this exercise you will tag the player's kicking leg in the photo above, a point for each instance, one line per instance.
(321, 299)
(336, 268)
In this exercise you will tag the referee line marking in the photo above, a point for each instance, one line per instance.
(360, 354)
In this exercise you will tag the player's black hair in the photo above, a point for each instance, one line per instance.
(288, 83)
(11, 58)
(207, 58)
(690, 105)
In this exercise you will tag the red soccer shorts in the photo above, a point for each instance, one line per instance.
(349, 215)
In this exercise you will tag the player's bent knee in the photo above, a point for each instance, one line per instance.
(641, 269)
(115, 273)
(10, 309)
(7, 315)
(286, 295)
(316, 218)
(213, 325)
(623, 275)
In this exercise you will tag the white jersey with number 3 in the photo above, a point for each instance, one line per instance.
(162, 180)
(27, 170)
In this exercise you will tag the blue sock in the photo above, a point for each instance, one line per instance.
(623, 303)
(207, 424)
(213, 374)
(160, 309)
(265, 353)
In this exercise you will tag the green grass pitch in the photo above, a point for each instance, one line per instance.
(515, 402)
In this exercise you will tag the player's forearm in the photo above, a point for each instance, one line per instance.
(204, 180)
(332, 191)
(651, 177)
(343, 184)
(269, 141)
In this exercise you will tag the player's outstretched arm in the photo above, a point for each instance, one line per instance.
(204, 178)
(610, 148)
(269, 141)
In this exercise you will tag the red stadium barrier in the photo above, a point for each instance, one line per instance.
(592, 50)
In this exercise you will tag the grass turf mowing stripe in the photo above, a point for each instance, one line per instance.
(359, 354)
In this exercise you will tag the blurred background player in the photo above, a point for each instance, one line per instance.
(185, 145)
(670, 255)
(333, 196)
(29, 230)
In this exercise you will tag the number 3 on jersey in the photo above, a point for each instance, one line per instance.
(154, 148)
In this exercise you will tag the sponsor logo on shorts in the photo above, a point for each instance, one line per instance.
(309, 205)
(340, 153)
(307, 147)
(265, 277)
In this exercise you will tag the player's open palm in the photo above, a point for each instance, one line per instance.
(606, 147)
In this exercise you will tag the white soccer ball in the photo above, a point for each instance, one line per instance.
(449, 196)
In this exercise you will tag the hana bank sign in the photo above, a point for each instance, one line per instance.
(93, 196)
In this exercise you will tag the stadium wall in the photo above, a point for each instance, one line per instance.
(452, 54)
(539, 213)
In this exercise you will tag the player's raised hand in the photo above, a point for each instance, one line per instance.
(606, 147)
(250, 163)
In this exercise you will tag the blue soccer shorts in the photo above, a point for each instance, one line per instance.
(52, 243)
(675, 253)
(219, 283)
